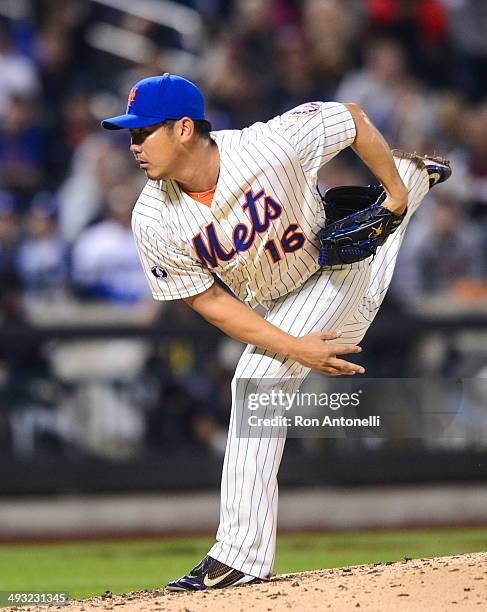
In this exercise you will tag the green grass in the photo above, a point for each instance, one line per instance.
(90, 568)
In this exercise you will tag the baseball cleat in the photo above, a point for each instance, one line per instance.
(210, 574)
(438, 168)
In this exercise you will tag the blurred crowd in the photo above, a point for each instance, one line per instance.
(67, 187)
(417, 67)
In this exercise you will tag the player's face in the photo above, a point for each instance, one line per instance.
(155, 149)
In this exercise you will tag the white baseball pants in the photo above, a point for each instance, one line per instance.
(331, 299)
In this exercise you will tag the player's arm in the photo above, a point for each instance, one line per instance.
(374, 151)
(239, 321)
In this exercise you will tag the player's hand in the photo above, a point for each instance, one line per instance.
(315, 351)
(397, 203)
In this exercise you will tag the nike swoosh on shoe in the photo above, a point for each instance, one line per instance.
(212, 582)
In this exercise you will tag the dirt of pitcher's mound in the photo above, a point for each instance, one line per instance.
(457, 583)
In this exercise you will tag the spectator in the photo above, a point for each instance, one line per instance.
(66, 134)
(413, 121)
(98, 165)
(42, 255)
(475, 141)
(53, 55)
(19, 75)
(21, 149)
(452, 249)
(421, 28)
(296, 80)
(329, 28)
(105, 261)
(375, 86)
(469, 24)
(9, 232)
(247, 56)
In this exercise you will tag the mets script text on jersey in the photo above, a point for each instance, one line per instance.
(210, 250)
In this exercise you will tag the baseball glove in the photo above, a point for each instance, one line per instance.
(356, 224)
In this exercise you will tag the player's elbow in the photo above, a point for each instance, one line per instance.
(359, 116)
(354, 109)
(206, 303)
(200, 299)
(218, 307)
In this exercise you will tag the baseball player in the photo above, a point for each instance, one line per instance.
(244, 205)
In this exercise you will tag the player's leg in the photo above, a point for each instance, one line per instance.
(416, 177)
(347, 299)
(247, 533)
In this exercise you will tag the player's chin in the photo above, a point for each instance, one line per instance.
(153, 174)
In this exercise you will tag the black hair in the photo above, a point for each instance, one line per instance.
(201, 126)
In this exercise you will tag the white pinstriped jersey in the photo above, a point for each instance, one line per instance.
(259, 236)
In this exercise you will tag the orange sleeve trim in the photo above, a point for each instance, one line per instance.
(204, 197)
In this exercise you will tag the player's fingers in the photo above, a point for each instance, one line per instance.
(331, 335)
(344, 349)
(346, 367)
(334, 372)
(331, 371)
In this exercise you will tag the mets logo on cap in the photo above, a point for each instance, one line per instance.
(131, 98)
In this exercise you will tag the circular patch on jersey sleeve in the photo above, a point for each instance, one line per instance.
(159, 272)
(310, 108)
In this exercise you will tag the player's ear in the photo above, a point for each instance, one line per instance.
(185, 129)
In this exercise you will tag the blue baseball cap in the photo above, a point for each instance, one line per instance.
(158, 98)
